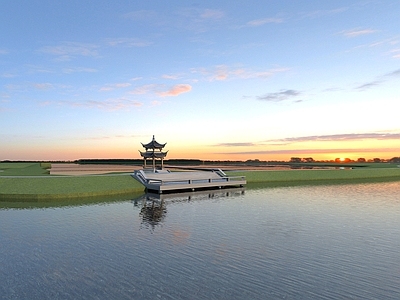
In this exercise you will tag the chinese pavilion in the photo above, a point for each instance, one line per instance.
(153, 151)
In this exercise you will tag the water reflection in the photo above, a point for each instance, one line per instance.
(306, 242)
(153, 208)
(152, 211)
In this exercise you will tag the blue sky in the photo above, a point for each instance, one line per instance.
(214, 79)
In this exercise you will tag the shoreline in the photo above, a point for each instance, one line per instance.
(58, 187)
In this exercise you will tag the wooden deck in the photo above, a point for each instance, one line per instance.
(163, 180)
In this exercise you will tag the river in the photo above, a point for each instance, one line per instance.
(304, 242)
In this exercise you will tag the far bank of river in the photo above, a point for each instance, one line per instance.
(52, 187)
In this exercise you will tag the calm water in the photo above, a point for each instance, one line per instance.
(314, 242)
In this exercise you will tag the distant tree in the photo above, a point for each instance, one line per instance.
(361, 160)
(308, 159)
(377, 160)
(394, 160)
(295, 159)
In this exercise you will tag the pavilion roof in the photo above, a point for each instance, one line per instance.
(153, 144)
(151, 154)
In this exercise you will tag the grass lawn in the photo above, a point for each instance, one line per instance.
(15, 185)
(314, 177)
(60, 187)
(24, 169)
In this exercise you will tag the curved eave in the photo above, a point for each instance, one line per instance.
(153, 145)
(153, 154)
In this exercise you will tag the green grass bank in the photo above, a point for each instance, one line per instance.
(62, 187)
(31, 182)
(302, 177)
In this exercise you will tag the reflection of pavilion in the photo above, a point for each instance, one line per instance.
(153, 205)
(152, 211)
(153, 152)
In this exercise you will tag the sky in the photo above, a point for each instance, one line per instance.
(215, 80)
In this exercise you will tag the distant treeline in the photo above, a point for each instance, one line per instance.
(138, 161)
(109, 161)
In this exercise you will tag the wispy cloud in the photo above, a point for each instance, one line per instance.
(351, 33)
(394, 73)
(142, 15)
(368, 85)
(3, 51)
(8, 75)
(144, 89)
(235, 145)
(395, 53)
(170, 76)
(309, 151)
(338, 138)
(378, 81)
(176, 90)
(260, 22)
(107, 105)
(161, 91)
(68, 50)
(78, 70)
(110, 137)
(212, 14)
(322, 13)
(113, 86)
(128, 42)
(43, 86)
(224, 72)
(193, 19)
(280, 96)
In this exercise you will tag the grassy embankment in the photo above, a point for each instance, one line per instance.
(32, 182)
(314, 177)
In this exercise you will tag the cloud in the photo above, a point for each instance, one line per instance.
(43, 86)
(128, 42)
(141, 90)
(322, 13)
(394, 73)
(107, 105)
(78, 70)
(395, 53)
(8, 75)
(3, 51)
(117, 136)
(380, 80)
(310, 151)
(176, 90)
(68, 50)
(280, 96)
(351, 33)
(235, 145)
(196, 19)
(142, 15)
(260, 22)
(159, 89)
(110, 87)
(224, 72)
(368, 85)
(338, 138)
(212, 14)
(174, 77)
